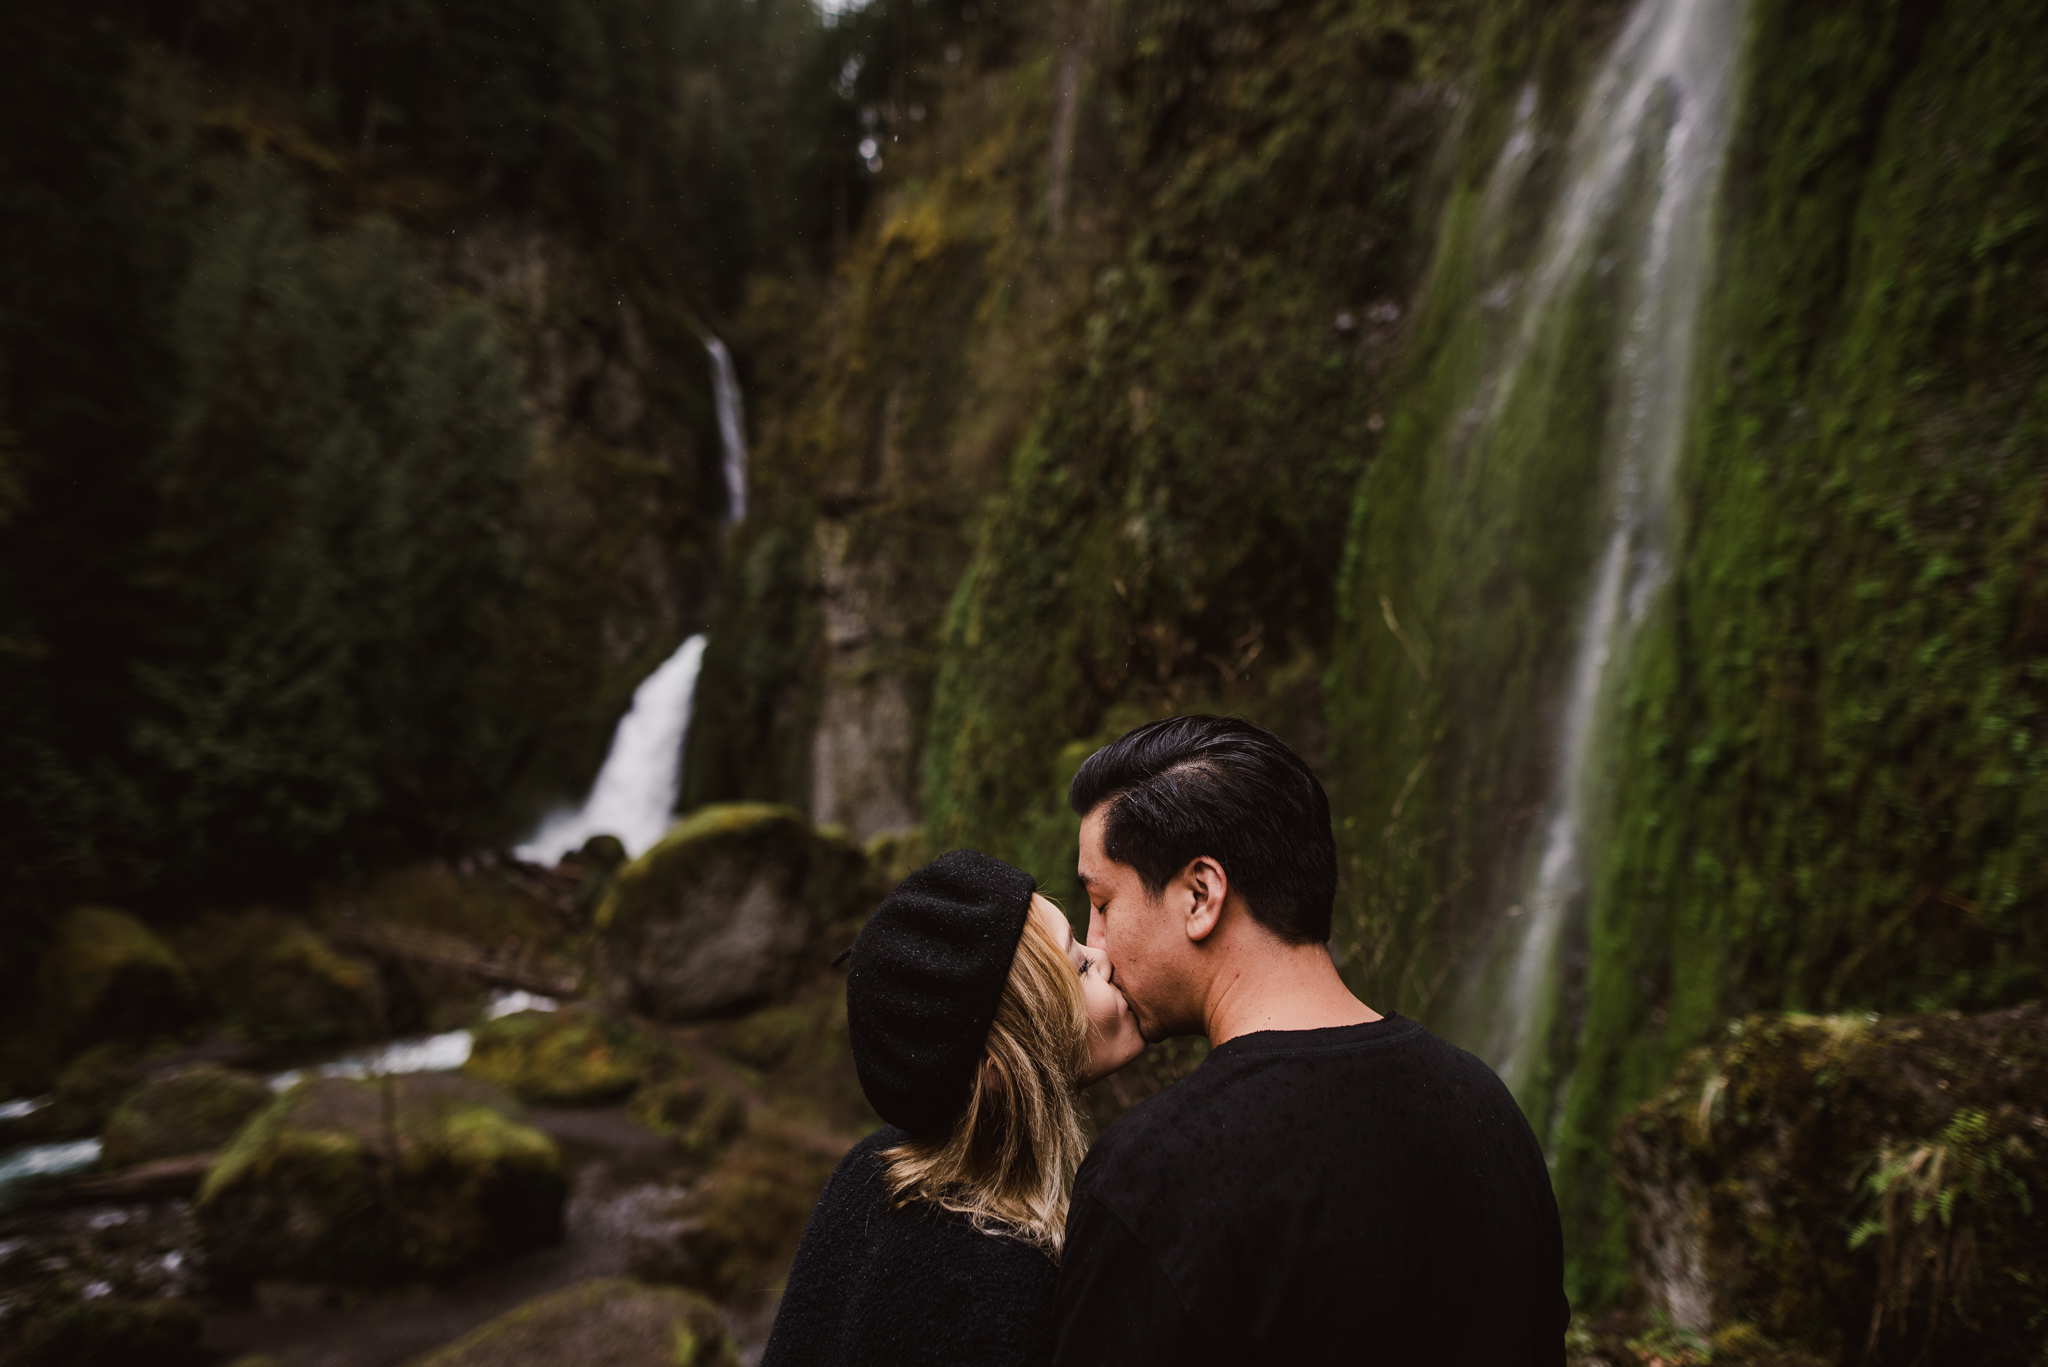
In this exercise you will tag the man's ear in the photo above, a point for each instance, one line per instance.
(1205, 886)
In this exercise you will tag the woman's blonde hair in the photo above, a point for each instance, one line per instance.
(1011, 1158)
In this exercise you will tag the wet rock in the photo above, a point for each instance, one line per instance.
(106, 1332)
(188, 1111)
(603, 1323)
(383, 1181)
(599, 862)
(110, 1258)
(108, 976)
(733, 908)
(1850, 1188)
(571, 1057)
(88, 1088)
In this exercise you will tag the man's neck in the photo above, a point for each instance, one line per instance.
(1275, 986)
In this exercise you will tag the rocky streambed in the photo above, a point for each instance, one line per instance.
(524, 1173)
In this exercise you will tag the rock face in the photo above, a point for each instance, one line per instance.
(561, 1058)
(728, 911)
(106, 975)
(190, 1111)
(603, 1323)
(378, 1182)
(1861, 1189)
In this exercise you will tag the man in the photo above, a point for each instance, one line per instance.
(1331, 1185)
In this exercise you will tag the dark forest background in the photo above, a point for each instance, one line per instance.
(280, 595)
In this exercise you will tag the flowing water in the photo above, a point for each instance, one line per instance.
(635, 792)
(1642, 168)
(634, 797)
(732, 428)
(443, 1053)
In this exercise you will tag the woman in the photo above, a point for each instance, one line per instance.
(974, 1017)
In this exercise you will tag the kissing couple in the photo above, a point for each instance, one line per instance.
(1331, 1185)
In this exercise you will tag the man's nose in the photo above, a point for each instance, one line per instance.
(1095, 929)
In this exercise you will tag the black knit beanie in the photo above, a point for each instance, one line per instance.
(927, 974)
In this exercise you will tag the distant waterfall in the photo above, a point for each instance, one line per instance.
(732, 428)
(634, 797)
(1641, 174)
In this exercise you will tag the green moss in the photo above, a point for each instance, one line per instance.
(271, 978)
(608, 1320)
(563, 1058)
(1827, 785)
(374, 1182)
(194, 1110)
(735, 908)
(749, 1212)
(703, 1118)
(106, 975)
(1143, 557)
(1855, 1187)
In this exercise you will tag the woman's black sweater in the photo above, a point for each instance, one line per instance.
(881, 1284)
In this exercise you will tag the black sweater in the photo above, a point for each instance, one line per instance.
(904, 1286)
(1361, 1194)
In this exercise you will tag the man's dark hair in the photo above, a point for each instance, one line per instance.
(1186, 787)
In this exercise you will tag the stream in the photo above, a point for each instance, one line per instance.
(619, 1221)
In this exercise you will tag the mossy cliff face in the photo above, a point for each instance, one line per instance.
(881, 421)
(623, 492)
(1827, 783)
(1024, 492)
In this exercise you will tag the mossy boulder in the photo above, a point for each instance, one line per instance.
(106, 975)
(608, 1322)
(1856, 1188)
(86, 1090)
(111, 1332)
(733, 908)
(383, 1181)
(572, 1057)
(274, 979)
(192, 1110)
(744, 1219)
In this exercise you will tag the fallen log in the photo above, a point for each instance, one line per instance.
(165, 1177)
(506, 966)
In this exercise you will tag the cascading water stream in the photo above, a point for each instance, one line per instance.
(634, 796)
(732, 429)
(1643, 167)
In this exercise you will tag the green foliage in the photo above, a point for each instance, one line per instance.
(338, 496)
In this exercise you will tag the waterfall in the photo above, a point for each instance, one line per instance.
(635, 792)
(1641, 173)
(732, 429)
(634, 797)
